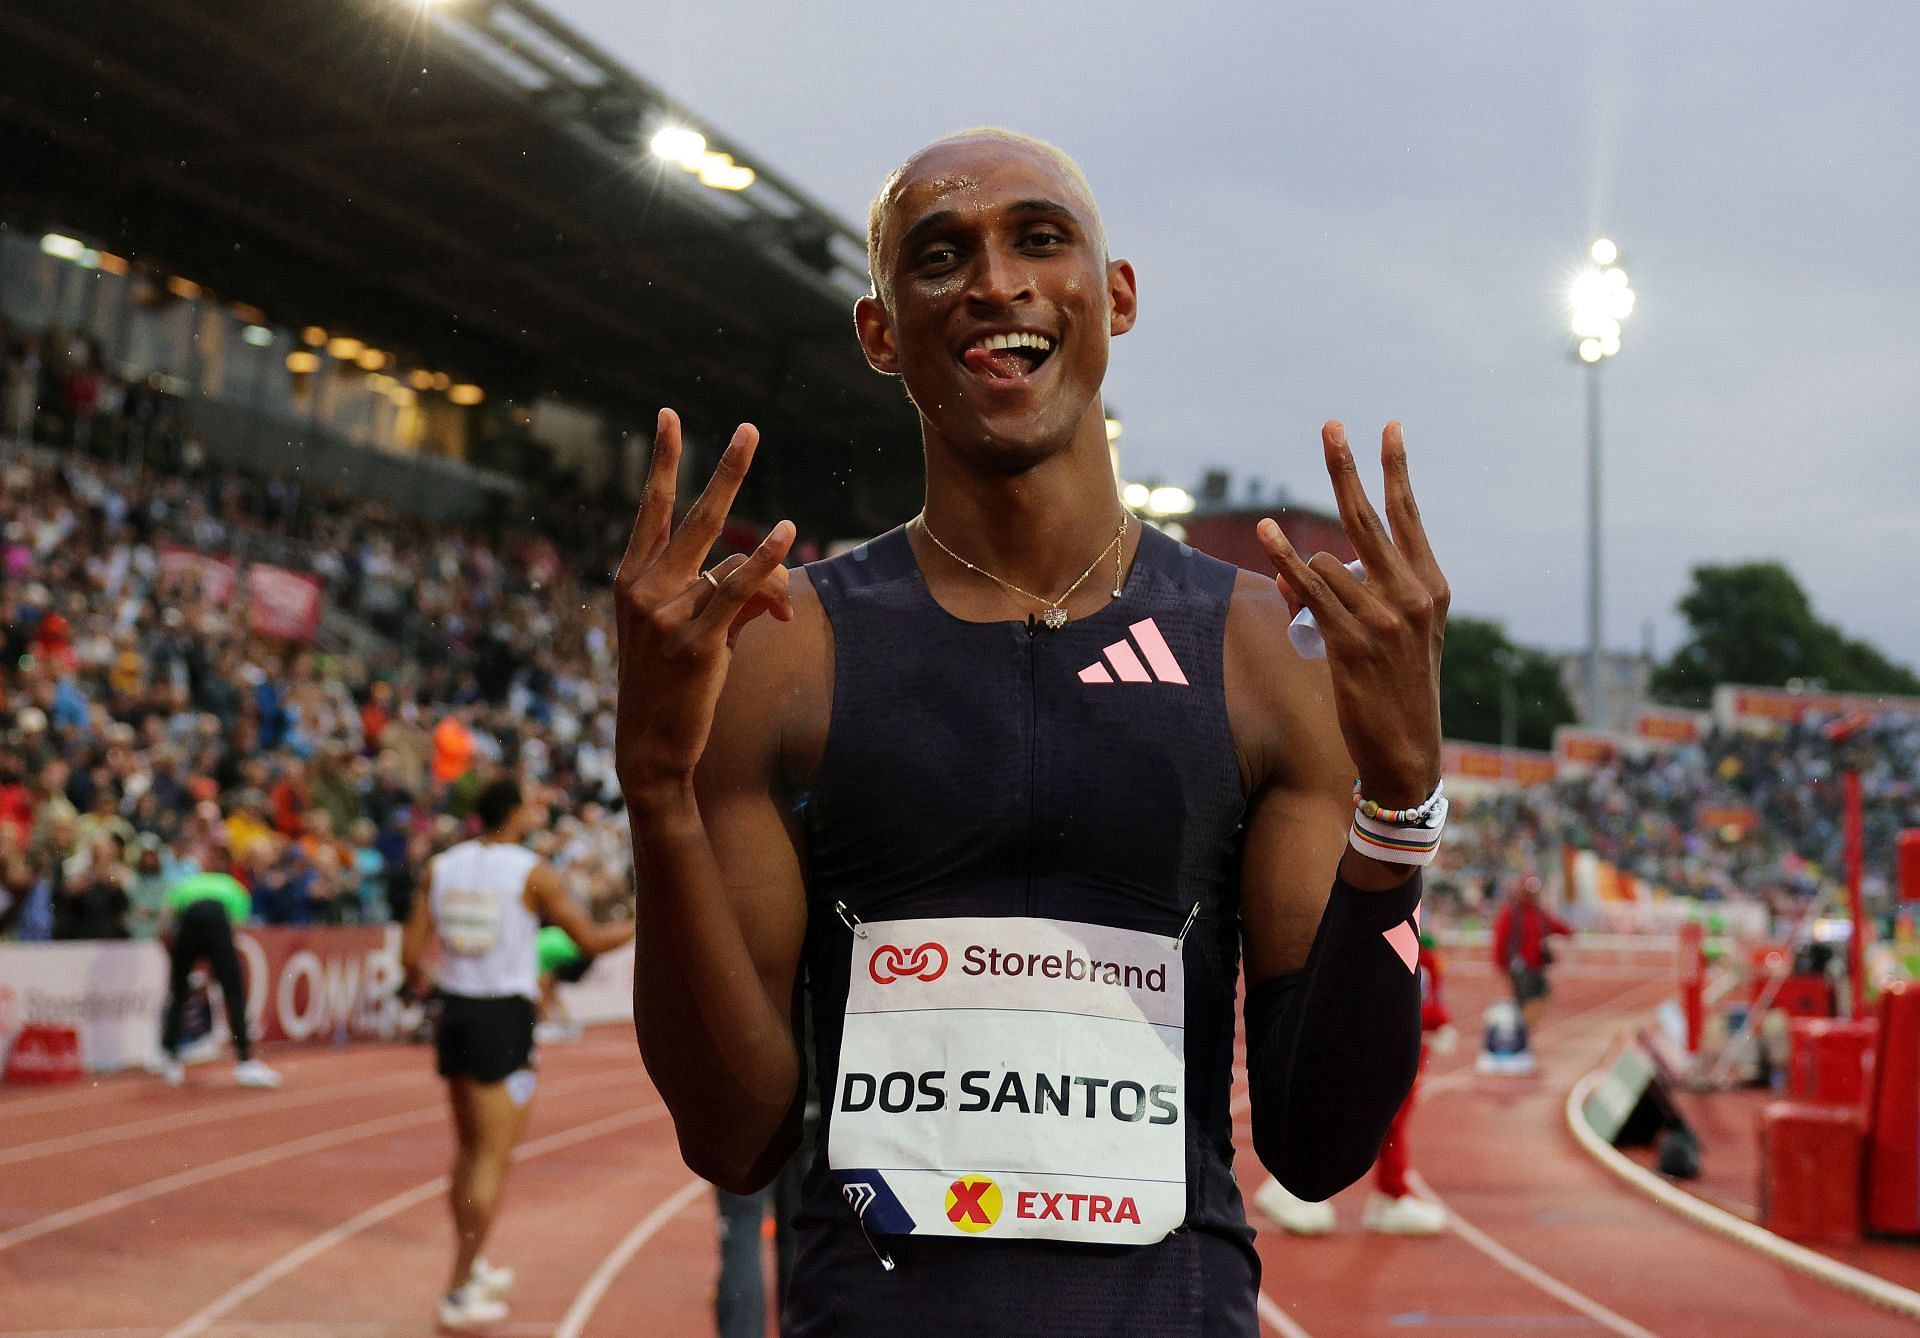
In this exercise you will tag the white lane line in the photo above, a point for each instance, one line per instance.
(247, 1161)
(228, 1110)
(116, 1133)
(1279, 1319)
(575, 1321)
(1867, 1286)
(258, 1282)
(1514, 1264)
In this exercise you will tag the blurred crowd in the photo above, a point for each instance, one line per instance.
(1732, 817)
(146, 734)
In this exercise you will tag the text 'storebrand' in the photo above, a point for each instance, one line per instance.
(929, 962)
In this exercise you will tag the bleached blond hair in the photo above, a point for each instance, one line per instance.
(883, 198)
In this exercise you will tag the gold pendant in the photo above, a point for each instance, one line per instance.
(1055, 619)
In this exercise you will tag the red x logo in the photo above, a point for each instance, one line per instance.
(973, 1203)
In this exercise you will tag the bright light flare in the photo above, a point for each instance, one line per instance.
(62, 248)
(1169, 501)
(1136, 495)
(719, 171)
(1601, 297)
(1113, 429)
(258, 335)
(679, 145)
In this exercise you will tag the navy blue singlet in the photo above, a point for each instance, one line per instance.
(982, 769)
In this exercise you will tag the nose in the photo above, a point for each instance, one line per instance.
(1001, 279)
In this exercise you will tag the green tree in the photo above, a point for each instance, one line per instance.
(1478, 656)
(1750, 622)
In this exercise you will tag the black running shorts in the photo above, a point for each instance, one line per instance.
(483, 1039)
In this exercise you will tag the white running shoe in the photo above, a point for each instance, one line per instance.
(494, 1281)
(171, 1071)
(252, 1073)
(1404, 1216)
(470, 1308)
(1295, 1214)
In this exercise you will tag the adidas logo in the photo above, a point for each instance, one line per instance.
(1404, 939)
(1159, 666)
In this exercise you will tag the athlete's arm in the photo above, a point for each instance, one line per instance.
(418, 935)
(721, 906)
(1333, 1009)
(548, 897)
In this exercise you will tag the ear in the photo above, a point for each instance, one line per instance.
(1123, 297)
(875, 328)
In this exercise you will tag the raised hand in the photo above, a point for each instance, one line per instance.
(676, 625)
(1383, 634)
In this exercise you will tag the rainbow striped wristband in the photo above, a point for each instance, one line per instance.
(1398, 843)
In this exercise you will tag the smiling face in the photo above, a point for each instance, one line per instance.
(995, 299)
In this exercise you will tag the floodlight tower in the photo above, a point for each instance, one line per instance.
(1601, 300)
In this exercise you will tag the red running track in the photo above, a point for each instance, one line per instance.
(138, 1211)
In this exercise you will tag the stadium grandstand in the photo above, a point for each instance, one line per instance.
(318, 226)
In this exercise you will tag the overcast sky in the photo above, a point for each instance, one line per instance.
(1368, 211)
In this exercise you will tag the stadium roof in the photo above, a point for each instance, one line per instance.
(469, 183)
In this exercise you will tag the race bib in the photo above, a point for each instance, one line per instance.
(1013, 1077)
(468, 921)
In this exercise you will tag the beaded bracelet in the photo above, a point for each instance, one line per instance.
(1417, 816)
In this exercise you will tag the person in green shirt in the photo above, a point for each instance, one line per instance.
(201, 911)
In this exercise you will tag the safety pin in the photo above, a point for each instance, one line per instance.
(853, 922)
(1192, 915)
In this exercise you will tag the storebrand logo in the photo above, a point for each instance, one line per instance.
(973, 1203)
(890, 963)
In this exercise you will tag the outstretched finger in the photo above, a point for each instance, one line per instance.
(654, 522)
(708, 515)
(1357, 516)
(1403, 513)
(1304, 585)
(746, 581)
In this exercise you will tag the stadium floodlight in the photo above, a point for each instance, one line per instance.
(1169, 501)
(465, 394)
(313, 336)
(1136, 496)
(300, 362)
(344, 348)
(62, 248)
(719, 171)
(1601, 297)
(679, 145)
(420, 379)
(371, 360)
(258, 335)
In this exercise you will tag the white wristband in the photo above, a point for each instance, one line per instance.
(1397, 844)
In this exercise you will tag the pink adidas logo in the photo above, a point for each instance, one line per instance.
(1404, 939)
(1160, 666)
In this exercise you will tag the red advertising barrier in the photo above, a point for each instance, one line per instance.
(1830, 1062)
(282, 604)
(44, 1053)
(1893, 1124)
(319, 983)
(1810, 1172)
(1908, 846)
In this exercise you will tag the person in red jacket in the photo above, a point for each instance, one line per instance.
(1520, 947)
(1393, 1209)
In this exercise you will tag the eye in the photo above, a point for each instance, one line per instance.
(936, 256)
(1042, 239)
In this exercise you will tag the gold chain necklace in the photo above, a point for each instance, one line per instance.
(1053, 612)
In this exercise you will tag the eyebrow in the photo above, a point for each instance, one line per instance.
(941, 218)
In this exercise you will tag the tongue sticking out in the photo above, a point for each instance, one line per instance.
(1004, 364)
